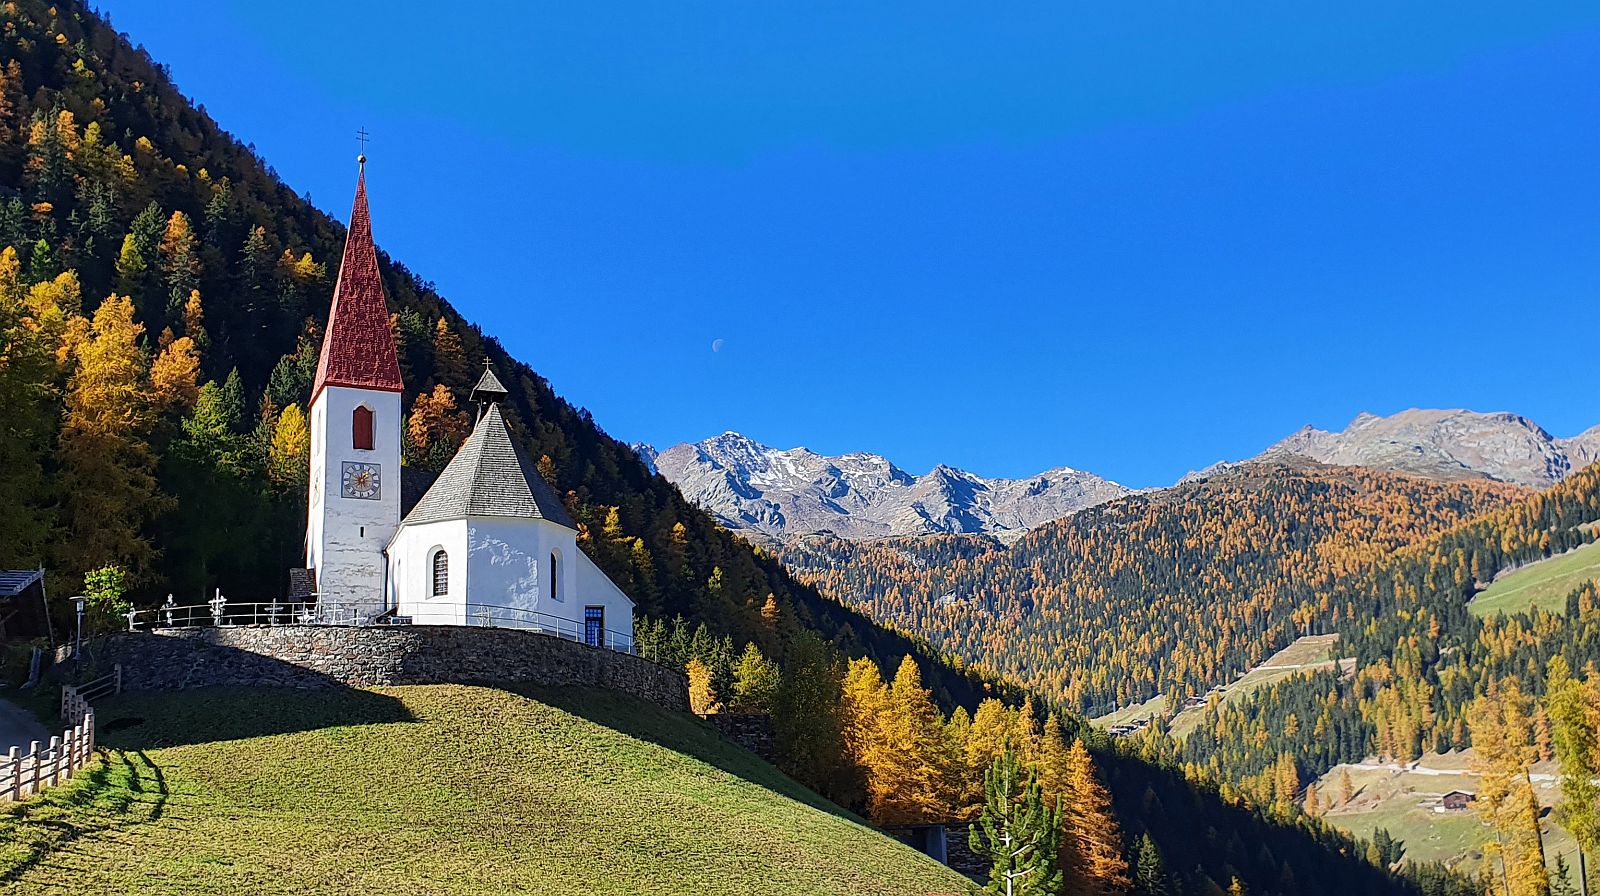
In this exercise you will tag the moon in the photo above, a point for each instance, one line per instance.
(716, 345)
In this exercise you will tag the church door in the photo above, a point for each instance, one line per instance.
(594, 626)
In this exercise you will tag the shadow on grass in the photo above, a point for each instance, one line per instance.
(681, 733)
(145, 720)
(122, 790)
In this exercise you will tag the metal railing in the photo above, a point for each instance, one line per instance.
(221, 612)
(491, 616)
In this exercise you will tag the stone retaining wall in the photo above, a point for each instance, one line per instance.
(752, 732)
(320, 656)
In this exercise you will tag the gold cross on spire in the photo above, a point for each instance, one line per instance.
(362, 136)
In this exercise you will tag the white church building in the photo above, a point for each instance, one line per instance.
(490, 543)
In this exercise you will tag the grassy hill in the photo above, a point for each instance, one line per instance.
(1544, 584)
(438, 790)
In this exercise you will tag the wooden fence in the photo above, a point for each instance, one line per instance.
(24, 774)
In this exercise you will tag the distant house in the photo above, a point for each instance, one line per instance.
(1455, 801)
(24, 614)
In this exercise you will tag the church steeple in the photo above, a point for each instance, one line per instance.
(358, 348)
(356, 420)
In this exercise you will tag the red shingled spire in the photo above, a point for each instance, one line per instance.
(358, 349)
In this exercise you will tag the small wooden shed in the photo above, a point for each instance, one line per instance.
(24, 610)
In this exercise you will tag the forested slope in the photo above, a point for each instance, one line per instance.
(1169, 592)
(1423, 658)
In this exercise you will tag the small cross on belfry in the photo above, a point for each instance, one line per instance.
(362, 136)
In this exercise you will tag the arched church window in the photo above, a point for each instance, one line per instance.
(555, 576)
(441, 574)
(361, 428)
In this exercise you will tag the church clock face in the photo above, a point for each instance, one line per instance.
(361, 480)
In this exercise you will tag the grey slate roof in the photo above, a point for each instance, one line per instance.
(490, 476)
(488, 386)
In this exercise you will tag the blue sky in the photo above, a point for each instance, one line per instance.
(1130, 241)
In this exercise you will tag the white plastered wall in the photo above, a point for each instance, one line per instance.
(411, 572)
(345, 537)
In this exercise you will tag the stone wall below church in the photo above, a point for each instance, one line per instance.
(318, 656)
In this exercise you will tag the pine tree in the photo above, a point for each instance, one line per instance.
(1150, 869)
(27, 371)
(1561, 879)
(755, 682)
(1018, 833)
(807, 721)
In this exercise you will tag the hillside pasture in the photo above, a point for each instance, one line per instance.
(1308, 653)
(1402, 800)
(436, 790)
(1544, 584)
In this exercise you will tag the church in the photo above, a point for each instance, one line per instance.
(489, 543)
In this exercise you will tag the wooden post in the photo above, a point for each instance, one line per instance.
(55, 761)
(33, 750)
(14, 774)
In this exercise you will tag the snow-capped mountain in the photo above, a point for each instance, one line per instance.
(797, 492)
(1444, 444)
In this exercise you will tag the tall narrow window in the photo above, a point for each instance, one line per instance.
(441, 574)
(361, 428)
(555, 577)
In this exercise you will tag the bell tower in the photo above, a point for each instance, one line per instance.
(354, 501)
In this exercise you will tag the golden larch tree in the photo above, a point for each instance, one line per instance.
(1092, 848)
(108, 483)
(288, 458)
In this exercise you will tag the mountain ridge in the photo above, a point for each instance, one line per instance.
(1444, 444)
(785, 493)
(788, 492)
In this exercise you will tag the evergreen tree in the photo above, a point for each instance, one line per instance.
(1018, 833)
(26, 378)
(755, 682)
(807, 723)
(1150, 870)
